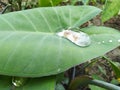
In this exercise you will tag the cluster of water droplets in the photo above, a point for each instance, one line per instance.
(110, 41)
(59, 70)
(18, 81)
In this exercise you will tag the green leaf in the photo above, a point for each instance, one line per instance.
(59, 87)
(45, 83)
(46, 3)
(112, 7)
(85, 2)
(5, 82)
(73, 1)
(79, 81)
(30, 47)
(48, 19)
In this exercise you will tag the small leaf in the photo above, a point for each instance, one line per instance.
(73, 1)
(85, 2)
(5, 82)
(112, 8)
(115, 81)
(46, 3)
(59, 87)
(79, 81)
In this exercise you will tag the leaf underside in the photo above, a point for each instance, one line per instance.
(44, 83)
(30, 47)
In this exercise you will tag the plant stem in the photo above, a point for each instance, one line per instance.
(105, 85)
(73, 74)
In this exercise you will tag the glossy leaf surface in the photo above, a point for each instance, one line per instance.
(112, 8)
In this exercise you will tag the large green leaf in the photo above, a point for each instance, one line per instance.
(112, 7)
(45, 83)
(30, 47)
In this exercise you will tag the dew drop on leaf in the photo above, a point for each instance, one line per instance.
(18, 81)
(103, 41)
(79, 38)
(58, 70)
(119, 40)
(110, 41)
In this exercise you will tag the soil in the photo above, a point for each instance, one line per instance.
(113, 22)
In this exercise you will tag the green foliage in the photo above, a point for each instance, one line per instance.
(85, 2)
(112, 8)
(59, 87)
(31, 48)
(29, 37)
(17, 5)
(45, 83)
(46, 3)
(73, 1)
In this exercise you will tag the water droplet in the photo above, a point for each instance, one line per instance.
(79, 38)
(59, 70)
(103, 41)
(18, 81)
(119, 40)
(110, 41)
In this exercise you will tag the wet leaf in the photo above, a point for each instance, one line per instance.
(30, 47)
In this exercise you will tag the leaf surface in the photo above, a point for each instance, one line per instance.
(30, 47)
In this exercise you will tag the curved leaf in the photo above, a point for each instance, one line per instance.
(45, 83)
(48, 19)
(112, 8)
(30, 47)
